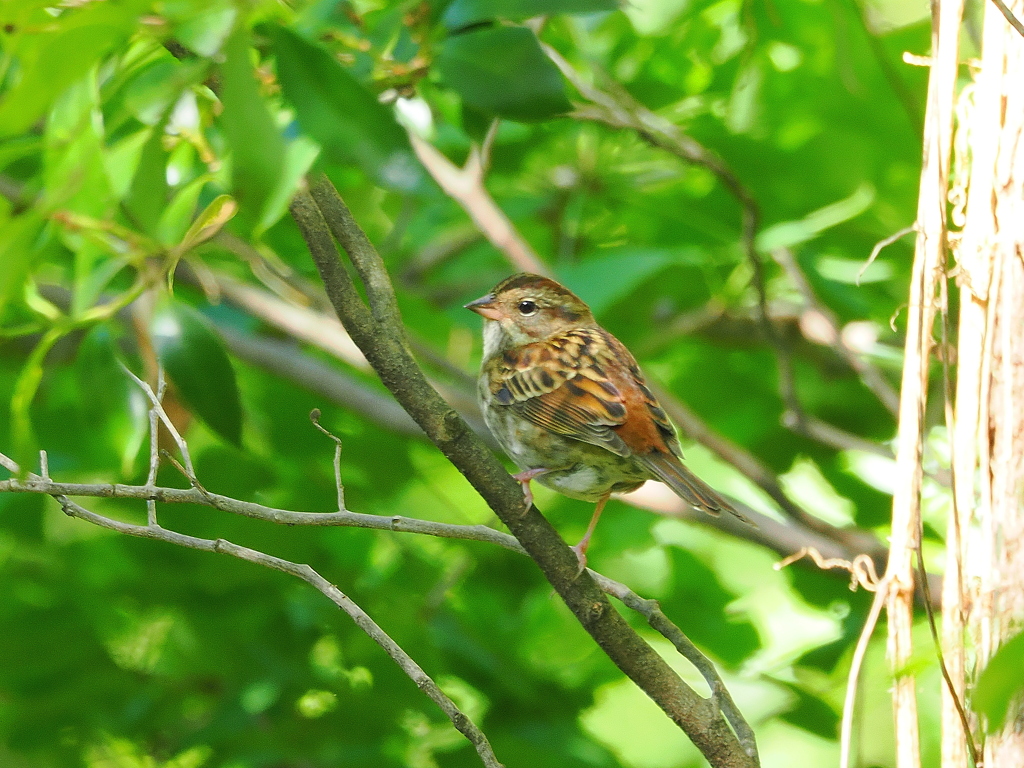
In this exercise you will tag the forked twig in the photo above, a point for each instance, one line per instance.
(314, 417)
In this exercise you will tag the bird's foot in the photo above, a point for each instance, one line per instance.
(580, 550)
(524, 478)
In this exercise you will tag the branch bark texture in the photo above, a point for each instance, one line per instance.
(929, 262)
(377, 329)
(984, 594)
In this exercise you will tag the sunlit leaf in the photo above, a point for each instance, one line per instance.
(147, 196)
(177, 216)
(257, 148)
(17, 237)
(786, 234)
(209, 222)
(1000, 683)
(64, 50)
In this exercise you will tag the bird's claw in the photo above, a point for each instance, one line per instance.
(524, 479)
(580, 550)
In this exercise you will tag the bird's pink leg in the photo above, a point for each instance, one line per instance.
(581, 548)
(524, 479)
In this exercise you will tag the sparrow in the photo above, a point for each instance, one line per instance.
(569, 405)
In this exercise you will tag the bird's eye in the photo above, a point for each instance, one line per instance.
(527, 307)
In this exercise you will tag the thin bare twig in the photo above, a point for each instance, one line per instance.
(885, 242)
(156, 405)
(927, 272)
(314, 416)
(852, 680)
(862, 574)
(861, 568)
(1012, 20)
(954, 570)
(154, 443)
(363, 620)
(651, 610)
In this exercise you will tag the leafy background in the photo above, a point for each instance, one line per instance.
(137, 136)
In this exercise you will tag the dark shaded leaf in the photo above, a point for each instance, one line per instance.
(811, 713)
(197, 364)
(698, 604)
(503, 71)
(335, 110)
(464, 12)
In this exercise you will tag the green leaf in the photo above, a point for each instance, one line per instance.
(209, 222)
(197, 364)
(335, 110)
(789, 233)
(75, 174)
(17, 239)
(203, 27)
(810, 712)
(630, 265)
(154, 88)
(1000, 683)
(177, 216)
(461, 13)
(503, 71)
(147, 196)
(257, 148)
(77, 50)
(56, 59)
(298, 158)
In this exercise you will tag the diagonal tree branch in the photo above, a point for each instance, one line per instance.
(377, 329)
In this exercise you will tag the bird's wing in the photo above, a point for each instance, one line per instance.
(583, 384)
(580, 384)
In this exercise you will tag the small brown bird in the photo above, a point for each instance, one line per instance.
(568, 403)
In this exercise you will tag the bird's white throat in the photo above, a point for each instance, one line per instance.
(493, 337)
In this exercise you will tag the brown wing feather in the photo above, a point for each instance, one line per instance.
(582, 384)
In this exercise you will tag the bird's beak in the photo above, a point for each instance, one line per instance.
(484, 306)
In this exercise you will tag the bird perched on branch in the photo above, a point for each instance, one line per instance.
(567, 402)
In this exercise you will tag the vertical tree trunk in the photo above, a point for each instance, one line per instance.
(928, 273)
(984, 594)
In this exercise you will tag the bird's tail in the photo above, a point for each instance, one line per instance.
(687, 485)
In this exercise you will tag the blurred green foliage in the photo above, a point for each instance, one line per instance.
(123, 126)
